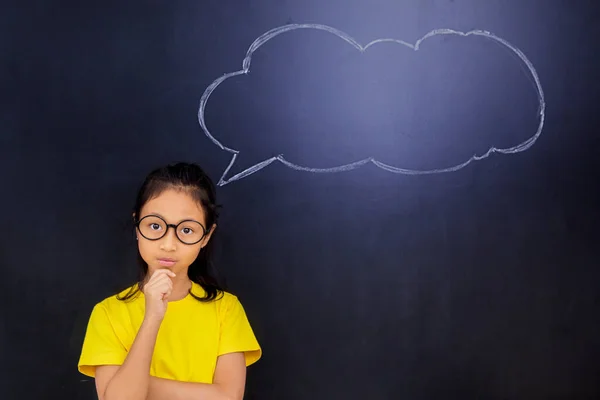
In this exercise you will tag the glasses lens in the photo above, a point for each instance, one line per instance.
(190, 231)
(152, 227)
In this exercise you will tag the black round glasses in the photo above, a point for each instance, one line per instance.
(153, 227)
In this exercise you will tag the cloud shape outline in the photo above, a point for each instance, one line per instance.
(265, 37)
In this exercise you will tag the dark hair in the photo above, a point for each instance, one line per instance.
(192, 179)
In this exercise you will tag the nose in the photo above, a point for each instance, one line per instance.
(168, 242)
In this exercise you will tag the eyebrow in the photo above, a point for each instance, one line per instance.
(184, 219)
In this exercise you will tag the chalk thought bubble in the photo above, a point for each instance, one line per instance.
(261, 40)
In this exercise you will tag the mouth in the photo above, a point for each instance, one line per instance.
(166, 262)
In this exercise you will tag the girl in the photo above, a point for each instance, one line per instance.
(175, 334)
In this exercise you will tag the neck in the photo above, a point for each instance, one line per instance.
(181, 288)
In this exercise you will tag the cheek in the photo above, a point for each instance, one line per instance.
(189, 254)
(145, 249)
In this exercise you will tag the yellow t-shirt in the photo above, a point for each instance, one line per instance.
(192, 335)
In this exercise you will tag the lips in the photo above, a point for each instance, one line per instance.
(166, 262)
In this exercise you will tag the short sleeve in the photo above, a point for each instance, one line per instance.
(101, 345)
(236, 333)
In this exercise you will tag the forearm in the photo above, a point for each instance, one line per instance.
(132, 380)
(166, 389)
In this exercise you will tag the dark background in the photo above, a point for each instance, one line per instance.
(476, 284)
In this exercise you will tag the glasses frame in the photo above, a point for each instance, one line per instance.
(174, 226)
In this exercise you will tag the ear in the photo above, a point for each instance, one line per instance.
(209, 235)
(136, 232)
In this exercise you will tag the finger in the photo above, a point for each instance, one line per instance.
(158, 277)
(166, 294)
(164, 288)
(159, 287)
(165, 271)
(166, 285)
(163, 278)
(161, 272)
(165, 281)
(155, 282)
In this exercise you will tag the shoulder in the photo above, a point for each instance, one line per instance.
(228, 299)
(118, 304)
(130, 294)
(230, 309)
(226, 304)
(223, 298)
(108, 336)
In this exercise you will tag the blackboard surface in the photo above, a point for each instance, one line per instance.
(409, 213)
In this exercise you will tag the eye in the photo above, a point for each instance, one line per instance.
(154, 226)
(187, 231)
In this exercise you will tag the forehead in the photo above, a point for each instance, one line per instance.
(174, 205)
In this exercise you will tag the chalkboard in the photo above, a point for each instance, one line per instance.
(409, 189)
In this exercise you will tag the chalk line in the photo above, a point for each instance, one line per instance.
(261, 40)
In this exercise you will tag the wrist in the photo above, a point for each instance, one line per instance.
(152, 323)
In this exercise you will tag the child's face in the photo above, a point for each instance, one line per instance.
(173, 206)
